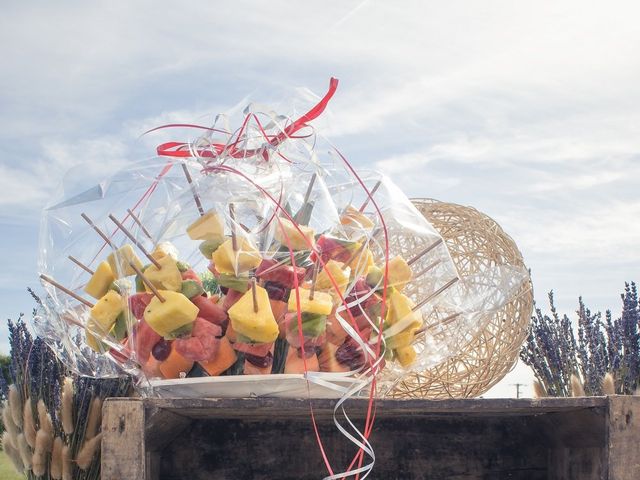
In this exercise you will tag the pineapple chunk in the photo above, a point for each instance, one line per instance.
(165, 249)
(399, 309)
(299, 237)
(103, 316)
(340, 275)
(362, 263)
(321, 304)
(100, 281)
(406, 355)
(167, 277)
(168, 317)
(400, 340)
(120, 259)
(244, 259)
(260, 326)
(208, 227)
(399, 272)
(352, 216)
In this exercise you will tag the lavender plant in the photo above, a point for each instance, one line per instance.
(555, 353)
(52, 417)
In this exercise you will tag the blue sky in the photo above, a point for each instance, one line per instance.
(529, 112)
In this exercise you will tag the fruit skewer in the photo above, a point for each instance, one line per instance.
(135, 241)
(139, 223)
(196, 197)
(81, 265)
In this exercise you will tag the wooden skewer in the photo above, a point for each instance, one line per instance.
(435, 294)
(309, 189)
(234, 239)
(373, 191)
(427, 268)
(443, 322)
(424, 252)
(136, 242)
(316, 266)
(147, 282)
(66, 290)
(98, 231)
(193, 189)
(254, 293)
(81, 265)
(137, 220)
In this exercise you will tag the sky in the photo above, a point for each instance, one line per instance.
(528, 111)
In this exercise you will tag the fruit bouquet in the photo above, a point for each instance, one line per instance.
(250, 253)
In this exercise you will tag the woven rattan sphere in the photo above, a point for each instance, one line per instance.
(475, 241)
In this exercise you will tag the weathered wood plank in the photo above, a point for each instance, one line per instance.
(267, 407)
(624, 438)
(483, 439)
(123, 447)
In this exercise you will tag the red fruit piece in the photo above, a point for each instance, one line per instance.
(230, 299)
(145, 338)
(255, 349)
(332, 249)
(138, 303)
(209, 310)
(203, 344)
(191, 275)
(285, 275)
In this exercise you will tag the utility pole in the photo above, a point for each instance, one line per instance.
(518, 385)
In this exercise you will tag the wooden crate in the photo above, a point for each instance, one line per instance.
(267, 438)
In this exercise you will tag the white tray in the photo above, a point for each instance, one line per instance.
(319, 385)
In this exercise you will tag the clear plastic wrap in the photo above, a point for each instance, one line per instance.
(253, 251)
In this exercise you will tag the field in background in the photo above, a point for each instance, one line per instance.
(7, 472)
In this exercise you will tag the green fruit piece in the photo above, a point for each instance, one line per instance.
(191, 288)
(209, 246)
(240, 284)
(184, 331)
(313, 325)
(374, 278)
(182, 266)
(139, 283)
(119, 329)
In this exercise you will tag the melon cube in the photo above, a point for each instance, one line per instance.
(338, 272)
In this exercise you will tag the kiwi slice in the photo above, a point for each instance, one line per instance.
(183, 331)
(182, 266)
(240, 284)
(191, 288)
(209, 246)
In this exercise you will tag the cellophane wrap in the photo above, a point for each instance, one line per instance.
(298, 218)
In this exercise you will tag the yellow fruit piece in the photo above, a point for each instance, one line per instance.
(362, 263)
(352, 216)
(406, 355)
(100, 281)
(400, 340)
(298, 237)
(167, 277)
(321, 304)
(399, 272)
(165, 249)
(399, 309)
(260, 326)
(171, 315)
(246, 258)
(103, 315)
(208, 227)
(339, 274)
(120, 259)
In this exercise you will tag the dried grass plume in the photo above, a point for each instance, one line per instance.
(577, 390)
(608, 385)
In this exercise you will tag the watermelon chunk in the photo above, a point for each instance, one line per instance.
(203, 344)
(285, 275)
(210, 310)
(138, 303)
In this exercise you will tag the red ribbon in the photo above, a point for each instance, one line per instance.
(183, 150)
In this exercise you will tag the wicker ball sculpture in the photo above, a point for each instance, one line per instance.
(474, 240)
